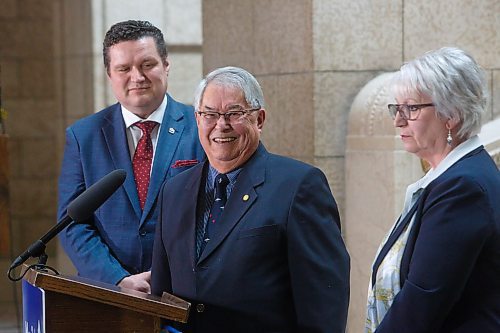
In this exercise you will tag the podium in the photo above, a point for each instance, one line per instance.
(58, 303)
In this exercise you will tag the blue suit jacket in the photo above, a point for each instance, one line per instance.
(450, 270)
(276, 262)
(118, 240)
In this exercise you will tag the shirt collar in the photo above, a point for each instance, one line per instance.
(157, 115)
(460, 151)
(212, 173)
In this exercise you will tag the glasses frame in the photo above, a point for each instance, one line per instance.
(226, 115)
(407, 110)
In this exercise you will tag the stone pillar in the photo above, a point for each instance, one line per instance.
(5, 231)
(29, 97)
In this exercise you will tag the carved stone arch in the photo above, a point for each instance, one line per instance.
(377, 171)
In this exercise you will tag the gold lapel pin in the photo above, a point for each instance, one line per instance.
(246, 197)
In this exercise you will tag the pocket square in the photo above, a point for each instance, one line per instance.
(184, 163)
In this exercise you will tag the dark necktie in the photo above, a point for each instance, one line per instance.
(220, 198)
(142, 160)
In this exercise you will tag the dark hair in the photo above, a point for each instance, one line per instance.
(132, 30)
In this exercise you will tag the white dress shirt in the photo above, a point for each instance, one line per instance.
(134, 133)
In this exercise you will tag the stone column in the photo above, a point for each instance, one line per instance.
(29, 97)
(5, 231)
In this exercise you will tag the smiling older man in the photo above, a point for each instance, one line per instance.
(251, 238)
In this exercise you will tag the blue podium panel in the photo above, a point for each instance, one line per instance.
(33, 309)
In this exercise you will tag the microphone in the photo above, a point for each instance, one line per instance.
(78, 210)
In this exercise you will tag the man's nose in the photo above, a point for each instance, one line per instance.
(137, 75)
(222, 121)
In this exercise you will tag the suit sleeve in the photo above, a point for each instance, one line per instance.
(81, 241)
(318, 260)
(456, 222)
(160, 270)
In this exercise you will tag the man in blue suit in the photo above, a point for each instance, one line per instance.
(115, 245)
(263, 251)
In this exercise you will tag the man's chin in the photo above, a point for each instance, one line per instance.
(142, 102)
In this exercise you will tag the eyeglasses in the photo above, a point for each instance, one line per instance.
(211, 117)
(407, 111)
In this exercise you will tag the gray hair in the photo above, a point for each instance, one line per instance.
(233, 77)
(455, 83)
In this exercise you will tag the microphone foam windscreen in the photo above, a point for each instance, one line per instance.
(92, 198)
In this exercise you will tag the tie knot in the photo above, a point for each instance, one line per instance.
(221, 182)
(146, 126)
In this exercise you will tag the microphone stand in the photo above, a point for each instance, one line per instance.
(36, 250)
(78, 210)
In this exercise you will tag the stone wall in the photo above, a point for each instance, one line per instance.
(29, 95)
(27, 59)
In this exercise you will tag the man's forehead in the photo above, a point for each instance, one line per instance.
(143, 47)
(229, 107)
(229, 97)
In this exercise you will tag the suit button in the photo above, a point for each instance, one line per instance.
(142, 233)
(200, 308)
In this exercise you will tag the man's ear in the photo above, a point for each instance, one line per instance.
(261, 119)
(166, 65)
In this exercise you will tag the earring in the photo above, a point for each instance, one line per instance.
(449, 139)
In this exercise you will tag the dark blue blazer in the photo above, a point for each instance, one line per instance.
(118, 240)
(450, 270)
(276, 262)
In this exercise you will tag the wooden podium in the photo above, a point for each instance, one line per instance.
(74, 304)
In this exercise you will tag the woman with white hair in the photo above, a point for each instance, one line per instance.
(438, 269)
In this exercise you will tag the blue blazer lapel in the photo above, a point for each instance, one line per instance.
(169, 137)
(252, 175)
(392, 239)
(188, 210)
(116, 140)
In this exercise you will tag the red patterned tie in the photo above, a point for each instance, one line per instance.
(142, 159)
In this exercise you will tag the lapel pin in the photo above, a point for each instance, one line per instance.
(245, 197)
(171, 130)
